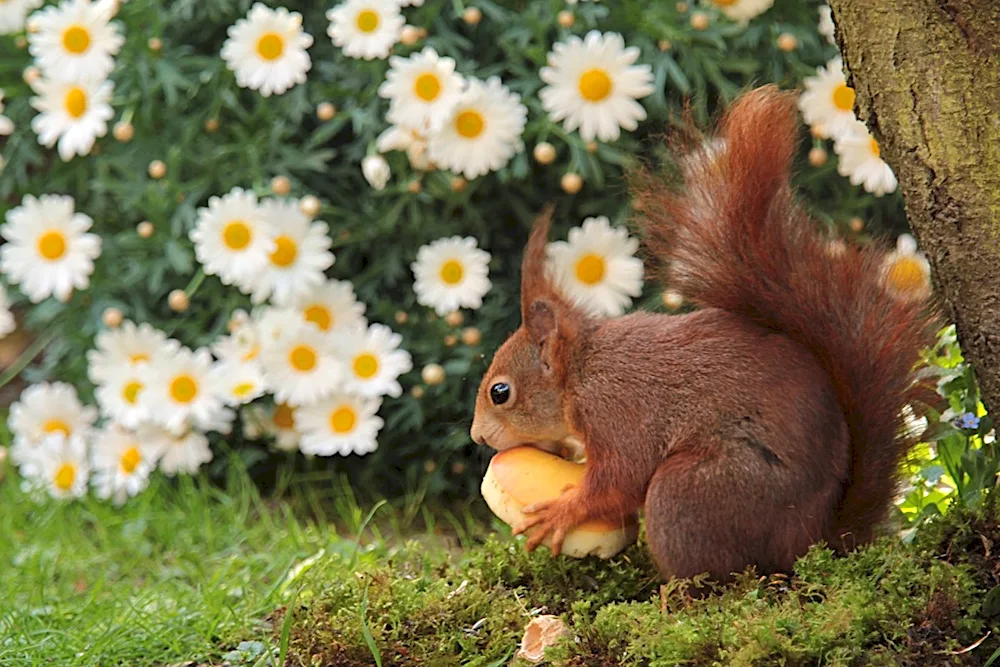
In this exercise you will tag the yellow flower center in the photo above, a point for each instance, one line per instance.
(367, 21)
(843, 97)
(320, 316)
(183, 389)
(131, 392)
(56, 426)
(65, 476)
(590, 269)
(243, 389)
(873, 147)
(252, 353)
(470, 124)
(594, 85)
(284, 416)
(725, 3)
(427, 87)
(131, 458)
(365, 365)
(270, 46)
(52, 245)
(452, 272)
(236, 235)
(285, 251)
(76, 101)
(342, 419)
(76, 39)
(302, 358)
(907, 274)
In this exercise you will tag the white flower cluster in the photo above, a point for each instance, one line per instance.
(73, 44)
(827, 105)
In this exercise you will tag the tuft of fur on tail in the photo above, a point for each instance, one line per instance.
(733, 237)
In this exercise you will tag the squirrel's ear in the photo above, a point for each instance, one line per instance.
(542, 325)
(534, 282)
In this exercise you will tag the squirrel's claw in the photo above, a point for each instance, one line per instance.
(555, 517)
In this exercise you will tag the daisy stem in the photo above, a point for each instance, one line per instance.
(28, 356)
(195, 283)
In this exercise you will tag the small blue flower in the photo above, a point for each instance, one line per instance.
(969, 421)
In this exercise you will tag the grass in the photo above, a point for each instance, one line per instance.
(184, 571)
(189, 571)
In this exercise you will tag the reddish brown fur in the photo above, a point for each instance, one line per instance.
(751, 429)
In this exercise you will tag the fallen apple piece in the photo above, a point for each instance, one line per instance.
(522, 476)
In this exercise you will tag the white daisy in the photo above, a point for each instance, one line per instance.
(376, 171)
(121, 463)
(300, 365)
(240, 382)
(373, 361)
(411, 3)
(597, 268)
(42, 409)
(422, 90)
(75, 39)
(48, 251)
(179, 387)
(332, 307)
(219, 420)
(414, 143)
(72, 113)
(242, 345)
(365, 28)
(484, 131)
(272, 322)
(593, 85)
(127, 346)
(267, 50)
(6, 124)
(742, 11)
(826, 26)
(341, 424)
(301, 254)
(13, 14)
(827, 104)
(451, 273)
(7, 321)
(906, 271)
(277, 421)
(119, 396)
(183, 453)
(860, 159)
(233, 238)
(63, 468)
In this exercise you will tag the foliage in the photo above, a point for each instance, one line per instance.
(957, 461)
(175, 95)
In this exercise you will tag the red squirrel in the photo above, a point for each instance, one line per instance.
(762, 423)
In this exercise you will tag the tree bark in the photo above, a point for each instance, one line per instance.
(927, 77)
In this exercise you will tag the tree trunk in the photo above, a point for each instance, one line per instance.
(927, 77)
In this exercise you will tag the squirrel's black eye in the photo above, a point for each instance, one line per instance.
(500, 393)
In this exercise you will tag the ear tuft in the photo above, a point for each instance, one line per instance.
(534, 282)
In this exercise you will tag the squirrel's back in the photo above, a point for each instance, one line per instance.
(734, 238)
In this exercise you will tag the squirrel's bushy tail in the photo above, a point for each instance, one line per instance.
(733, 237)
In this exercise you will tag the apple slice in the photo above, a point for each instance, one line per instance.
(522, 476)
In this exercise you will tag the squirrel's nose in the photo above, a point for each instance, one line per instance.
(476, 433)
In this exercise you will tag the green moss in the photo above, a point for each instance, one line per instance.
(889, 604)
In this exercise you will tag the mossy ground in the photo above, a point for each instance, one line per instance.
(189, 571)
(889, 604)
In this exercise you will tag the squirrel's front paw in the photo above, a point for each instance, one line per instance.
(555, 517)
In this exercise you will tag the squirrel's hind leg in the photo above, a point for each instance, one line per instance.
(720, 508)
